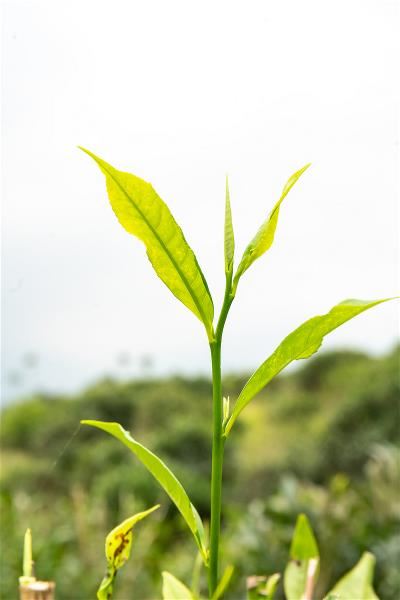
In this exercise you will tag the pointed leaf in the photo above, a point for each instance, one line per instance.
(264, 237)
(173, 589)
(224, 582)
(301, 343)
(118, 549)
(262, 587)
(357, 583)
(165, 478)
(229, 244)
(302, 570)
(142, 213)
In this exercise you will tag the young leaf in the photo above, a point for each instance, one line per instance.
(223, 584)
(301, 343)
(264, 237)
(173, 589)
(229, 244)
(262, 587)
(357, 583)
(302, 570)
(165, 478)
(118, 549)
(142, 213)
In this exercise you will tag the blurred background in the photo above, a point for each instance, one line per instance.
(180, 94)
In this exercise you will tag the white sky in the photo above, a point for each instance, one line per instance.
(181, 93)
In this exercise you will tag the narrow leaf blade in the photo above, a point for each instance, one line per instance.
(229, 238)
(173, 589)
(118, 548)
(142, 213)
(357, 583)
(301, 343)
(264, 237)
(224, 582)
(165, 478)
(302, 569)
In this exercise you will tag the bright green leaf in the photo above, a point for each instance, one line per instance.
(301, 343)
(262, 587)
(264, 237)
(357, 583)
(302, 569)
(165, 478)
(118, 548)
(229, 244)
(173, 589)
(223, 584)
(142, 213)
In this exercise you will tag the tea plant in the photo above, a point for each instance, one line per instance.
(143, 213)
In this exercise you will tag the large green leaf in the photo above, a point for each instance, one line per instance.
(118, 548)
(301, 343)
(142, 213)
(165, 478)
(264, 237)
(357, 583)
(229, 238)
(173, 589)
(302, 569)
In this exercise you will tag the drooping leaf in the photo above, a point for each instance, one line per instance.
(301, 343)
(173, 589)
(264, 237)
(165, 478)
(261, 587)
(224, 582)
(302, 569)
(229, 244)
(142, 213)
(118, 549)
(357, 583)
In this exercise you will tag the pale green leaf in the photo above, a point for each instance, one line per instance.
(118, 548)
(302, 569)
(301, 343)
(357, 583)
(224, 582)
(261, 587)
(173, 589)
(165, 478)
(229, 243)
(142, 213)
(264, 237)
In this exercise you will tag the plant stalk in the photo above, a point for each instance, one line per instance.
(218, 441)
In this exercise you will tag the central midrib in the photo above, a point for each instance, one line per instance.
(175, 264)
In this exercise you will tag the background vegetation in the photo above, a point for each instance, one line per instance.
(322, 440)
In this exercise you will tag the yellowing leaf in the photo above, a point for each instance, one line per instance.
(301, 343)
(142, 213)
(264, 237)
(118, 549)
(173, 589)
(165, 478)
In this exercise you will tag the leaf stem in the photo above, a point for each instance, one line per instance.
(218, 440)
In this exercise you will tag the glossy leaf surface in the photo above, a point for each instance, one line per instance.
(118, 549)
(142, 213)
(357, 583)
(173, 589)
(165, 478)
(302, 569)
(264, 237)
(301, 343)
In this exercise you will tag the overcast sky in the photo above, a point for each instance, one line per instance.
(181, 93)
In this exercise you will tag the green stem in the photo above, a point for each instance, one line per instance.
(218, 441)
